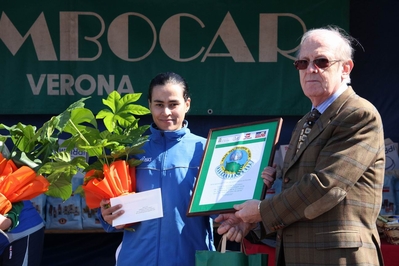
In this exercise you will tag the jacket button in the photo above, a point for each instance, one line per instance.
(286, 180)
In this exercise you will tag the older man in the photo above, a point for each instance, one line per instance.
(333, 170)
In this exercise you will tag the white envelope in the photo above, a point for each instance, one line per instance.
(139, 207)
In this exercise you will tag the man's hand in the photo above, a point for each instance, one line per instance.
(248, 211)
(269, 175)
(237, 225)
(234, 228)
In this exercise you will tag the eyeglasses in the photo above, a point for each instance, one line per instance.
(319, 63)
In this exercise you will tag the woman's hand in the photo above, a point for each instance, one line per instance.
(5, 223)
(111, 213)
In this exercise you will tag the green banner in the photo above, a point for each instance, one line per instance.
(235, 55)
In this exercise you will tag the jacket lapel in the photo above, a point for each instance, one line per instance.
(319, 126)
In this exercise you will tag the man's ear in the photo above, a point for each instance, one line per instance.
(347, 68)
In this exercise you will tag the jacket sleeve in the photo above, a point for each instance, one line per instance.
(106, 226)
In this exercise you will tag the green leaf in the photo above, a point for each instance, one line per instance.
(20, 159)
(137, 109)
(109, 120)
(78, 120)
(61, 187)
(65, 116)
(48, 129)
(60, 173)
(62, 156)
(23, 137)
(97, 165)
(66, 168)
(134, 133)
(79, 191)
(130, 98)
(112, 101)
(122, 111)
(80, 162)
(134, 162)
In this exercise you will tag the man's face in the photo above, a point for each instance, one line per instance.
(318, 84)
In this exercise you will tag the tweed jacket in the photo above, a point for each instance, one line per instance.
(332, 189)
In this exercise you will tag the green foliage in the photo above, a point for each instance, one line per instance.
(122, 137)
(39, 148)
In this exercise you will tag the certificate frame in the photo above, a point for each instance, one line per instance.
(231, 166)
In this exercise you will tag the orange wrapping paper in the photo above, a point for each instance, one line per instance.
(115, 180)
(17, 184)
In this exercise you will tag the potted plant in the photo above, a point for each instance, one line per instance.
(112, 172)
(38, 148)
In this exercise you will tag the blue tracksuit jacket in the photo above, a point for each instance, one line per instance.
(170, 162)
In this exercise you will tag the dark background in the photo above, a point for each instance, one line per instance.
(375, 77)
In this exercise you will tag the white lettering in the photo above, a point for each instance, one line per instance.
(125, 86)
(52, 83)
(268, 37)
(169, 37)
(233, 40)
(85, 85)
(268, 28)
(118, 37)
(69, 36)
(36, 88)
(66, 84)
(38, 32)
(79, 88)
(103, 84)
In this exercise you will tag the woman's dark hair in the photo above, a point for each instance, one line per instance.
(168, 78)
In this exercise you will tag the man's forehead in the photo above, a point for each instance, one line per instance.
(317, 47)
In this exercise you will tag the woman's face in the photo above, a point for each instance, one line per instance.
(168, 107)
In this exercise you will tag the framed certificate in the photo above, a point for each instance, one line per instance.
(233, 161)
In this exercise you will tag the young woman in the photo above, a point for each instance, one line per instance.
(170, 161)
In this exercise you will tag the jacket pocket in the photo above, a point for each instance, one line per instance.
(338, 239)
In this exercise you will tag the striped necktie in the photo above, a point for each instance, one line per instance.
(307, 127)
